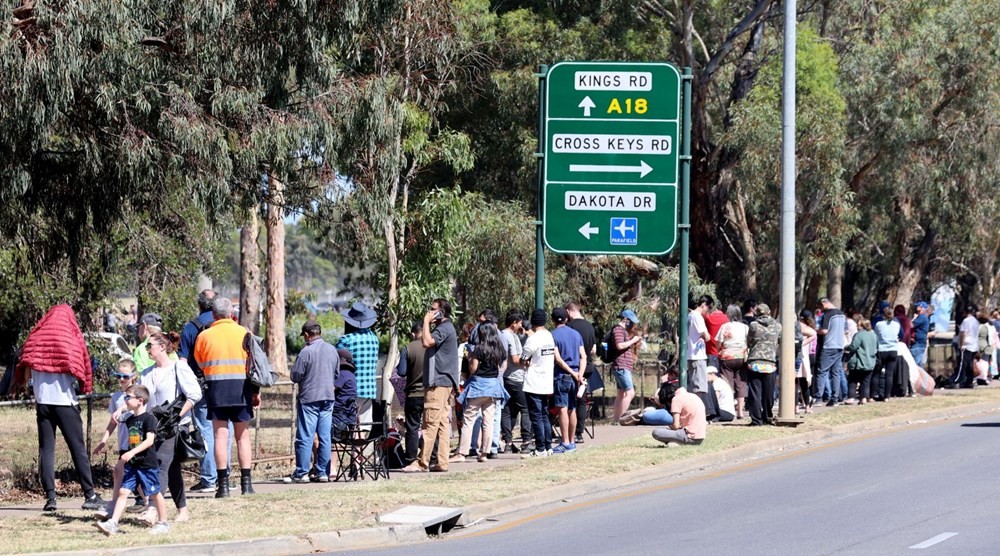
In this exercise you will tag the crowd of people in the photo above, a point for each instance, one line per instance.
(481, 383)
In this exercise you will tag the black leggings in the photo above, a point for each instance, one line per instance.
(170, 472)
(862, 380)
(67, 419)
(885, 376)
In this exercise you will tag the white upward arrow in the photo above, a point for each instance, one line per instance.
(587, 230)
(642, 168)
(586, 104)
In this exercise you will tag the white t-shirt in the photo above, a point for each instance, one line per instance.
(696, 344)
(724, 392)
(117, 402)
(971, 328)
(540, 348)
(53, 388)
(163, 388)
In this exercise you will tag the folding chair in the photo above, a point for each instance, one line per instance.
(360, 452)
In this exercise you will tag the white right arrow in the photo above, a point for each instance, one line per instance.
(587, 230)
(586, 104)
(642, 169)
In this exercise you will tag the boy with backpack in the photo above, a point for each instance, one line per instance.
(141, 466)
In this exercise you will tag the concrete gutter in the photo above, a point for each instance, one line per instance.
(355, 539)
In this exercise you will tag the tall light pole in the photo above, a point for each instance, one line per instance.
(786, 409)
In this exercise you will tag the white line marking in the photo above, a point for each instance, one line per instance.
(934, 540)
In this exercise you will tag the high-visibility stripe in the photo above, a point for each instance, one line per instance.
(221, 362)
(230, 376)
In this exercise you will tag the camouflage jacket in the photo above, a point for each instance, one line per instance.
(763, 340)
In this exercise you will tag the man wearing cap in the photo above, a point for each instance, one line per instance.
(586, 330)
(411, 368)
(149, 323)
(621, 369)
(315, 371)
(539, 354)
(345, 404)
(921, 326)
(359, 339)
(570, 359)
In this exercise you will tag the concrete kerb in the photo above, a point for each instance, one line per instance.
(399, 534)
(757, 450)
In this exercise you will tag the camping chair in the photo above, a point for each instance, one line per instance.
(360, 451)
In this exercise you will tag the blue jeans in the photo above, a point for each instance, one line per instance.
(918, 351)
(657, 418)
(539, 413)
(831, 370)
(199, 415)
(313, 418)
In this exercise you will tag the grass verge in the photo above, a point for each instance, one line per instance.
(347, 506)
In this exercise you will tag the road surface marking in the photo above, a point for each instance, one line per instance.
(934, 540)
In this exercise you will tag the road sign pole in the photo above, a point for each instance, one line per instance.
(543, 70)
(684, 226)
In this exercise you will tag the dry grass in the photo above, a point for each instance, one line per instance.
(344, 506)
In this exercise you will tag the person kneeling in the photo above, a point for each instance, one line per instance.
(688, 412)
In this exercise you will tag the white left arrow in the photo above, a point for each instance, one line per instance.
(587, 230)
(642, 168)
(586, 104)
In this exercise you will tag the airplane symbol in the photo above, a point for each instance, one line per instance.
(622, 228)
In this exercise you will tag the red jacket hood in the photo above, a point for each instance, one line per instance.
(56, 345)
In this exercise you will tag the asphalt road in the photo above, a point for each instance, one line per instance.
(928, 489)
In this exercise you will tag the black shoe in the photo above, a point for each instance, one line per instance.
(222, 490)
(201, 486)
(491, 455)
(831, 403)
(578, 439)
(137, 508)
(514, 448)
(246, 486)
(93, 503)
(50, 505)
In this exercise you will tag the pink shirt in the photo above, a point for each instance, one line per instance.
(692, 413)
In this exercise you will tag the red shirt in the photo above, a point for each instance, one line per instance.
(713, 322)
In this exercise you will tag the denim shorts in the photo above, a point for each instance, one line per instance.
(147, 478)
(623, 379)
(564, 393)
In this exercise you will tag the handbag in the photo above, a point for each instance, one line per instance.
(190, 446)
(168, 414)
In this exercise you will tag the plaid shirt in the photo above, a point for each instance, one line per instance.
(363, 346)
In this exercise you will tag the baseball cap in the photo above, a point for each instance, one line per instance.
(922, 304)
(630, 315)
(559, 315)
(311, 327)
(152, 319)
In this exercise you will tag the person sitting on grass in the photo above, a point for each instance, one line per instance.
(688, 423)
(141, 466)
(116, 407)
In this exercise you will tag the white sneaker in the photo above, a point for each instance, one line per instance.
(536, 454)
(293, 479)
(160, 528)
(107, 527)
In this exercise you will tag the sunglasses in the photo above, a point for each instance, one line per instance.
(121, 376)
(128, 397)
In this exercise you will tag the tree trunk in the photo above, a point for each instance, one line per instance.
(275, 309)
(834, 285)
(250, 273)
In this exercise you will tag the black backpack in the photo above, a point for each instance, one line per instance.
(611, 352)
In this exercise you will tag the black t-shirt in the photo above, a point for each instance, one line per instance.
(589, 339)
(138, 427)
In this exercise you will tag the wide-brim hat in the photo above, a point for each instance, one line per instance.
(360, 315)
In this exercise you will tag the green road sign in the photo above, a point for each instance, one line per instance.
(612, 134)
